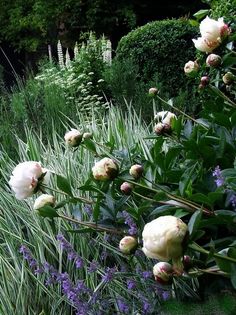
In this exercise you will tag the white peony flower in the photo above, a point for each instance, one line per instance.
(128, 244)
(73, 137)
(162, 272)
(205, 45)
(105, 169)
(44, 200)
(163, 238)
(212, 33)
(213, 30)
(24, 179)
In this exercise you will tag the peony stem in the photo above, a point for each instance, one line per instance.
(85, 200)
(180, 111)
(92, 225)
(171, 196)
(199, 249)
(217, 91)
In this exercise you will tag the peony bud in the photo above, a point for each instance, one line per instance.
(105, 169)
(165, 117)
(136, 171)
(213, 60)
(204, 82)
(191, 68)
(44, 200)
(162, 272)
(153, 91)
(87, 135)
(25, 179)
(163, 238)
(73, 138)
(187, 261)
(128, 244)
(159, 128)
(229, 78)
(126, 188)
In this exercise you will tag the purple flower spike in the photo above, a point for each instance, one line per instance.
(219, 178)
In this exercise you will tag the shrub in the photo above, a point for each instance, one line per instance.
(160, 50)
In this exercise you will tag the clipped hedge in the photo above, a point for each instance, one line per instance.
(160, 49)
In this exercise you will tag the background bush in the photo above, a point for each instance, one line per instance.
(159, 51)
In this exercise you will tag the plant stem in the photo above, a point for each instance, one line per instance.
(85, 200)
(221, 94)
(92, 225)
(180, 111)
(171, 196)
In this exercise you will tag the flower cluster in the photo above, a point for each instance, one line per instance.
(130, 222)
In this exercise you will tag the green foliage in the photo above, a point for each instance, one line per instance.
(224, 9)
(159, 51)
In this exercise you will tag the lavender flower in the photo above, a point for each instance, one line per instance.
(93, 266)
(131, 284)
(122, 306)
(130, 222)
(109, 274)
(71, 253)
(146, 274)
(219, 178)
(233, 201)
(28, 257)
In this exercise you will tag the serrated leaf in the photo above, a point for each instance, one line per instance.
(64, 185)
(194, 221)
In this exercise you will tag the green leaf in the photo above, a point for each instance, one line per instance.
(194, 221)
(96, 209)
(201, 198)
(90, 145)
(48, 212)
(228, 60)
(83, 230)
(64, 185)
(201, 14)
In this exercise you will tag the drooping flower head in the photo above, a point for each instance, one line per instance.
(25, 179)
(163, 238)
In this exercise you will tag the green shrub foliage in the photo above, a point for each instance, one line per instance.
(160, 50)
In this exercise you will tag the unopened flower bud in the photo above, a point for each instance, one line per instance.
(229, 78)
(213, 60)
(87, 135)
(162, 272)
(191, 68)
(159, 128)
(128, 244)
(126, 188)
(105, 169)
(136, 171)
(204, 82)
(44, 200)
(187, 261)
(153, 91)
(73, 138)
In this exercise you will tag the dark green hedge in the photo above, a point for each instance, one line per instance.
(160, 49)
